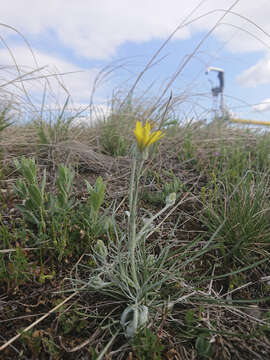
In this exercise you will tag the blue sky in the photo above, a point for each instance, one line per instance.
(77, 39)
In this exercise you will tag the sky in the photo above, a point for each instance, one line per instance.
(57, 48)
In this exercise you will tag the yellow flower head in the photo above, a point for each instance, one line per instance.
(144, 136)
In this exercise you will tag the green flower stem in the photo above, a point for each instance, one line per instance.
(136, 173)
(131, 186)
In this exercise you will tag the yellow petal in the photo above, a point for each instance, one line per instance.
(155, 136)
(139, 133)
(146, 133)
(143, 135)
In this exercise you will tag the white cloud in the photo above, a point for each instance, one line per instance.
(95, 29)
(257, 74)
(72, 80)
(263, 106)
(244, 33)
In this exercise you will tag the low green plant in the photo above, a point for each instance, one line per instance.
(114, 129)
(96, 198)
(6, 235)
(38, 204)
(14, 268)
(32, 340)
(188, 146)
(36, 342)
(112, 140)
(28, 189)
(90, 221)
(129, 268)
(71, 320)
(235, 164)
(58, 219)
(54, 131)
(5, 121)
(5, 117)
(262, 151)
(159, 197)
(203, 346)
(229, 163)
(147, 346)
(244, 209)
(47, 212)
(87, 220)
(173, 186)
